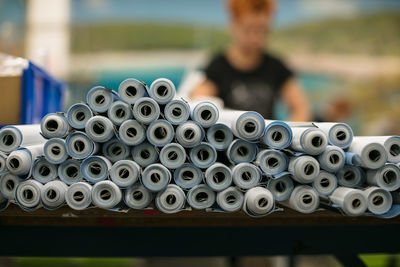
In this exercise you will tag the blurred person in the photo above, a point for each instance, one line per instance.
(246, 77)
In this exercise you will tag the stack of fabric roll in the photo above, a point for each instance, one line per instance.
(143, 148)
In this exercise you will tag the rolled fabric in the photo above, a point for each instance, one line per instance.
(189, 134)
(100, 129)
(173, 156)
(78, 114)
(177, 111)
(373, 155)
(350, 176)
(106, 195)
(379, 200)
(352, 158)
(277, 134)
(390, 143)
(205, 113)
(55, 151)
(219, 136)
(3, 160)
(170, 200)
(20, 161)
(70, 171)
(156, 177)
(332, 159)
(14, 136)
(247, 125)
(218, 177)
(241, 151)
(8, 185)
(100, 98)
(353, 202)
(258, 202)
(119, 112)
(303, 168)
(54, 125)
(132, 133)
(162, 91)
(79, 196)
(146, 110)
(230, 199)
(203, 155)
(27, 195)
(201, 197)
(272, 161)
(386, 177)
(339, 134)
(160, 133)
(303, 199)
(80, 146)
(325, 183)
(281, 187)
(130, 90)
(125, 173)
(44, 171)
(115, 150)
(246, 175)
(137, 197)
(53, 194)
(187, 176)
(95, 168)
(312, 141)
(144, 154)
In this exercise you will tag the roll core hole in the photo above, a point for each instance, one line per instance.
(277, 136)
(176, 112)
(394, 150)
(374, 155)
(79, 146)
(78, 196)
(100, 99)
(389, 177)
(171, 199)
(105, 194)
(172, 155)
(230, 199)
(324, 182)
(219, 136)
(28, 194)
(307, 199)
(262, 202)
(80, 116)
(246, 176)
(120, 113)
(137, 195)
(377, 200)
(219, 177)
(250, 127)
(145, 154)
(242, 151)
(160, 132)
(280, 187)
(116, 150)
(187, 175)
(316, 141)
(203, 154)
(356, 203)
(124, 173)
(272, 162)
(334, 159)
(206, 114)
(98, 127)
(8, 139)
(44, 170)
(55, 150)
(72, 171)
(146, 110)
(162, 90)
(201, 197)
(10, 185)
(14, 163)
(131, 132)
(188, 134)
(349, 176)
(95, 168)
(51, 194)
(51, 125)
(341, 135)
(309, 169)
(155, 177)
(131, 91)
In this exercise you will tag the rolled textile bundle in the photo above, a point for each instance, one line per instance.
(44, 171)
(8, 185)
(189, 134)
(258, 201)
(390, 143)
(278, 134)
(95, 168)
(177, 111)
(146, 110)
(373, 155)
(241, 151)
(173, 156)
(70, 171)
(339, 134)
(218, 177)
(162, 91)
(106, 195)
(78, 114)
(170, 200)
(303, 199)
(203, 155)
(100, 98)
(115, 150)
(219, 136)
(119, 112)
(332, 159)
(53, 194)
(160, 133)
(137, 197)
(144, 154)
(132, 133)
(201, 197)
(379, 200)
(54, 125)
(247, 125)
(386, 177)
(130, 90)
(205, 113)
(27, 195)
(55, 150)
(281, 187)
(351, 176)
(14, 136)
(352, 202)
(20, 161)
(80, 146)
(188, 176)
(79, 196)
(156, 177)
(246, 175)
(272, 161)
(230, 199)
(312, 141)
(125, 173)
(325, 183)
(3, 160)
(100, 129)
(352, 158)
(303, 168)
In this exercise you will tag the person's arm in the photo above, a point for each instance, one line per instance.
(205, 88)
(296, 101)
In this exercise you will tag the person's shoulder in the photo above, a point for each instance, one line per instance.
(273, 59)
(218, 58)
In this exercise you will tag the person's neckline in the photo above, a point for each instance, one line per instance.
(225, 56)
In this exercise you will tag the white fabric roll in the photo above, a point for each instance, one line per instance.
(162, 90)
(15, 136)
(201, 197)
(80, 146)
(373, 155)
(189, 134)
(205, 113)
(156, 177)
(177, 111)
(230, 199)
(170, 200)
(27, 195)
(106, 195)
(350, 176)
(119, 112)
(100, 98)
(20, 161)
(218, 177)
(303, 199)
(219, 136)
(312, 141)
(386, 177)
(272, 161)
(187, 176)
(137, 197)
(53, 194)
(241, 151)
(144, 154)
(258, 201)
(100, 129)
(277, 134)
(173, 156)
(281, 187)
(115, 150)
(78, 114)
(303, 168)
(339, 134)
(8, 185)
(132, 133)
(146, 110)
(379, 200)
(203, 155)
(70, 171)
(353, 202)
(246, 175)
(130, 90)
(54, 125)
(160, 133)
(247, 125)
(332, 159)
(390, 143)
(325, 183)
(95, 168)
(44, 171)
(125, 173)
(55, 151)
(79, 196)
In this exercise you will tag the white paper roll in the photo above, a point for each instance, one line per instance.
(247, 125)
(203, 155)
(258, 201)
(100, 129)
(156, 177)
(80, 146)
(303, 168)
(201, 197)
(241, 151)
(144, 154)
(137, 197)
(173, 156)
(3, 160)
(79, 196)
(379, 200)
(27, 195)
(390, 143)
(219, 136)
(115, 150)
(119, 112)
(218, 177)
(373, 155)
(15, 136)
(20, 161)
(162, 90)
(55, 151)
(350, 176)
(272, 161)
(78, 114)
(277, 134)
(332, 159)
(125, 173)
(132, 133)
(170, 200)
(339, 134)
(95, 168)
(106, 195)
(386, 177)
(312, 141)
(70, 171)
(146, 110)
(205, 113)
(281, 187)
(246, 175)
(44, 171)
(130, 90)
(230, 199)
(189, 134)
(325, 183)
(100, 98)
(54, 125)
(303, 199)
(188, 176)
(177, 111)
(160, 133)
(53, 194)
(353, 202)
(8, 184)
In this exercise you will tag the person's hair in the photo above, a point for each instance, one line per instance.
(238, 8)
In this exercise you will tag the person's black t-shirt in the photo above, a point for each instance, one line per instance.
(254, 90)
